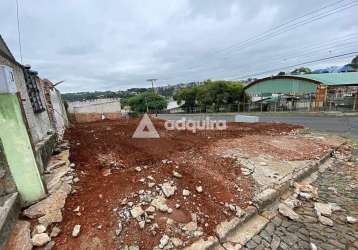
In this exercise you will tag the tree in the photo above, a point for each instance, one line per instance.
(302, 70)
(147, 101)
(212, 94)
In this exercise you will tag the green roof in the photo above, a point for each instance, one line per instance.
(332, 79)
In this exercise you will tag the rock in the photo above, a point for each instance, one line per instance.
(352, 220)
(54, 202)
(119, 229)
(75, 180)
(141, 224)
(335, 207)
(176, 242)
(177, 206)
(325, 221)
(40, 239)
(39, 229)
(151, 184)
(199, 189)
(177, 175)
(160, 203)
(55, 232)
(133, 247)
(76, 230)
(77, 209)
(313, 246)
(163, 241)
(190, 227)
(150, 209)
(138, 169)
(203, 244)
(20, 238)
(288, 212)
(51, 217)
(306, 188)
(72, 165)
(137, 211)
(323, 209)
(168, 189)
(49, 246)
(186, 192)
(225, 227)
(292, 202)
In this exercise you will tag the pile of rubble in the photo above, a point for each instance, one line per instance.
(142, 208)
(307, 192)
(47, 213)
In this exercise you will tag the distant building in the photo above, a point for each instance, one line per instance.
(95, 110)
(333, 89)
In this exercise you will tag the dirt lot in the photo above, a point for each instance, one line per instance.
(117, 174)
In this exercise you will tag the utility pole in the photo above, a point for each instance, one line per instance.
(152, 81)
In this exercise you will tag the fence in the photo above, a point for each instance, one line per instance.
(343, 104)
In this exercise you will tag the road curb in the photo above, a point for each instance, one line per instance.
(260, 202)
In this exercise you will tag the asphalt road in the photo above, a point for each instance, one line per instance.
(342, 125)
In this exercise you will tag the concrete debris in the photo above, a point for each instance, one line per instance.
(163, 241)
(176, 242)
(119, 229)
(306, 191)
(186, 192)
(313, 246)
(39, 229)
(150, 209)
(191, 226)
(168, 189)
(199, 189)
(51, 217)
(288, 212)
(137, 211)
(75, 180)
(77, 209)
(352, 220)
(141, 224)
(55, 201)
(76, 230)
(323, 209)
(160, 203)
(39, 240)
(138, 169)
(177, 175)
(55, 232)
(325, 221)
(151, 184)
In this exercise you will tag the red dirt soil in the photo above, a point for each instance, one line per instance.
(100, 147)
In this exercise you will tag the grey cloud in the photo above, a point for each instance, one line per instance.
(119, 44)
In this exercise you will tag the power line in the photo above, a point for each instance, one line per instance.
(295, 65)
(280, 29)
(18, 28)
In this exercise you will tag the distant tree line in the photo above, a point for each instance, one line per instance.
(211, 95)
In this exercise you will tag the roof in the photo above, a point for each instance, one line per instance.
(5, 50)
(330, 79)
(334, 79)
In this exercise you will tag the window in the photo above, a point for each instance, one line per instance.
(33, 90)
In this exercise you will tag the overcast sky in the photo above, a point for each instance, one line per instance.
(115, 45)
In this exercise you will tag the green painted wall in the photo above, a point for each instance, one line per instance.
(18, 150)
(282, 86)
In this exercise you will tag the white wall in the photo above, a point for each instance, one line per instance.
(111, 105)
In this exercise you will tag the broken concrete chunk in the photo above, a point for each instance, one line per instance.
(137, 211)
(163, 241)
(199, 189)
(40, 239)
(186, 192)
(352, 220)
(288, 212)
(168, 189)
(323, 209)
(160, 203)
(55, 232)
(21, 236)
(39, 229)
(325, 221)
(177, 175)
(76, 230)
(176, 242)
(51, 217)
